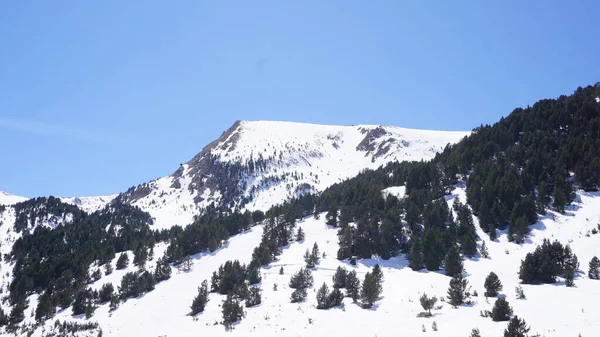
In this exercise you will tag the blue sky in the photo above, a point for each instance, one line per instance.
(97, 96)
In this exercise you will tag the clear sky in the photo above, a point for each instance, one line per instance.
(97, 96)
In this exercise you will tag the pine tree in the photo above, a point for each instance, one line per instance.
(213, 244)
(308, 258)
(475, 333)
(232, 311)
(254, 276)
(339, 278)
(331, 216)
(433, 249)
(187, 263)
(416, 255)
(570, 259)
(162, 271)
(542, 198)
(106, 292)
(428, 302)
(569, 275)
(335, 298)
(483, 251)
(300, 234)
(315, 255)
(371, 290)
(492, 285)
(281, 270)
(493, 234)
(594, 271)
(501, 311)
(199, 302)
(377, 273)
(323, 297)
(352, 286)
(516, 328)
(453, 262)
(123, 261)
(520, 293)
(140, 256)
(302, 279)
(457, 292)
(253, 297)
(108, 269)
(298, 295)
(44, 308)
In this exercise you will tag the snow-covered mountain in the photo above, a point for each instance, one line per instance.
(256, 164)
(10, 199)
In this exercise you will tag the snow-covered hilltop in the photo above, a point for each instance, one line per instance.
(10, 199)
(254, 165)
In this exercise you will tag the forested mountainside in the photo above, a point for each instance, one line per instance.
(511, 173)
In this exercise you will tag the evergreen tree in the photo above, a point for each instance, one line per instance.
(371, 290)
(453, 262)
(483, 251)
(594, 271)
(335, 298)
(352, 286)
(492, 285)
(323, 297)
(457, 293)
(501, 311)
(44, 308)
(542, 198)
(300, 234)
(416, 255)
(331, 216)
(377, 273)
(123, 261)
(106, 292)
(298, 295)
(569, 275)
(309, 259)
(232, 311)
(213, 245)
(17, 313)
(162, 271)
(140, 256)
(108, 269)
(187, 263)
(254, 276)
(520, 293)
(433, 249)
(516, 328)
(475, 333)
(315, 254)
(281, 270)
(302, 279)
(199, 302)
(428, 302)
(253, 297)
(339, 278)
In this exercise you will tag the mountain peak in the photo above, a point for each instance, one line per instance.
(10, 199)
(256, 164)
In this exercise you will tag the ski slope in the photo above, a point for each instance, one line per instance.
(551, 310)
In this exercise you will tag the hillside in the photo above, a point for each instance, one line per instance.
(257, 164)
(518, 198)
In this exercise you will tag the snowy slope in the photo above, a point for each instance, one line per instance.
(551, 310)
(89, 204)
(258, 164)
(10, 199)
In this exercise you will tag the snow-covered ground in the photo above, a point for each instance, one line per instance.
(10, 199)
(551, 310)
(299, 158)
(89, 204)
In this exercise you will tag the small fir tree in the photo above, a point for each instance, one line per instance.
(457, 292)
(323, 297)
(339, 278)
(501, 311)
(428, 302)
(520, 293)
(516, 328)
(475, 333)
(122, 261)
(371, 290)
(352, 285)
(594, 268)
(569, 276)
(377, 273)
(253, 297)
(300, 234)
(453, 262)
(298, 295)
(484, 251)
(416, 255)
(199, 302)
(232, 311)
(281, 270)
(492, 285)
